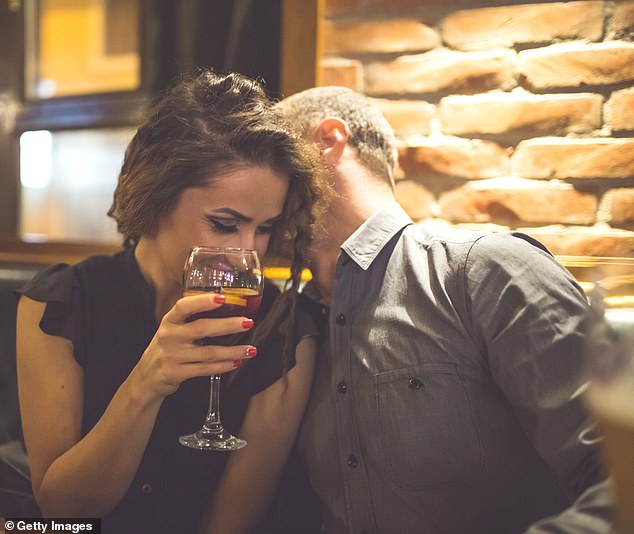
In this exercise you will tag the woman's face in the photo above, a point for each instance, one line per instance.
(239, 208)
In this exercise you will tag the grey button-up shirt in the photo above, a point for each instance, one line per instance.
(446, 396)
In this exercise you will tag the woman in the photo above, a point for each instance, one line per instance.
(109, 372)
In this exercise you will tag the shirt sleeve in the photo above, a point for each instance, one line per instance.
(270, 365)
(529, 313)
(55, 286)
(310, 318)
(590, 514)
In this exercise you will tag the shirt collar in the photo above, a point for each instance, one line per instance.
(364, 245)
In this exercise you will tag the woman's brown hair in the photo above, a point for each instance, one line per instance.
(204, 125)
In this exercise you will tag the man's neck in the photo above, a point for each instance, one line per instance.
(355, 202)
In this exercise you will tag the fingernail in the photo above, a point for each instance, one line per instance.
(250, 352)
(219, 299)
(247, 324)
(237, 363)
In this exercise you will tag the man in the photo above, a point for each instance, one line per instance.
(446, 397)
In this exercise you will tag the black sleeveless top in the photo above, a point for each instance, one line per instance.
(105, 307)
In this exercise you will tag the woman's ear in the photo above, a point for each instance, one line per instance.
(332, 137)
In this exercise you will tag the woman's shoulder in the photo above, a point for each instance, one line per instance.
(57, 282)
(310, 317)
(75, 294)
(53, 283)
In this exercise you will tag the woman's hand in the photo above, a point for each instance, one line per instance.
(174, 355)
(51, 386)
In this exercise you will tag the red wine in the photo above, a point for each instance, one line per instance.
(239, 301)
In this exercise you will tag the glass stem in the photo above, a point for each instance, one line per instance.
(212, 421)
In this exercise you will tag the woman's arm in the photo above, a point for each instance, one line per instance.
(73, 477)
(249, 481)
(76, 476)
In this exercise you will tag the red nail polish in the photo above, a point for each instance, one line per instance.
(237, 363)
(250, 352)
(219, 299)
(247, 324)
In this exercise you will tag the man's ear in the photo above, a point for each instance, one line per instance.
(332, 136)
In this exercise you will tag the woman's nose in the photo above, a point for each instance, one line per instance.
(247, 241)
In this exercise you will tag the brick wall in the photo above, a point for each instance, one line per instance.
(509, 114)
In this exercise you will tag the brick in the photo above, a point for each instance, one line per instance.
(378, 36)
(553, 157)
(598, 240)
(617, 206)
(441, 70)
(521, 112)
(576, 64)
(564, 241)
(398, 5)
(514, 201)
(442, 157)
(338, 7)
(342, 72)
(567, 241)
(417, 201)
(531, 23)
(408, 117)
(619, 111)
(623, 19)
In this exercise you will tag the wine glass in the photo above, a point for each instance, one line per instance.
(236, 273)
(609, 352)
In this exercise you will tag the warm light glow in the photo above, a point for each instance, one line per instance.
(84, 47)
(284, 273)
(36, 159)
(67, 180)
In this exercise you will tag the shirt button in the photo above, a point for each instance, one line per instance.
(352, 461)
(340, 319)
(147, 488)
(415, 383)
(342, 387)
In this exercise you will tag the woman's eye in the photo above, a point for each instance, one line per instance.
(266, 229)
(223, 227)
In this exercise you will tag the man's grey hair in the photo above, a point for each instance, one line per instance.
(369, 133)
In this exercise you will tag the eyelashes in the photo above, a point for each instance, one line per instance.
(221, 226)
(266, 229)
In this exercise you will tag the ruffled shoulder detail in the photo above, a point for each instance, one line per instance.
(310, 319)
(55, 283)
(56, 286)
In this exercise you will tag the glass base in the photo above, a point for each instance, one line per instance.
(204, 441)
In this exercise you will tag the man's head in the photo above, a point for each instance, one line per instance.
(368, 132)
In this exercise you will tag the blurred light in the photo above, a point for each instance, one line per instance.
(36, 159)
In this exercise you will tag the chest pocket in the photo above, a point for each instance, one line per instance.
(427, 425)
